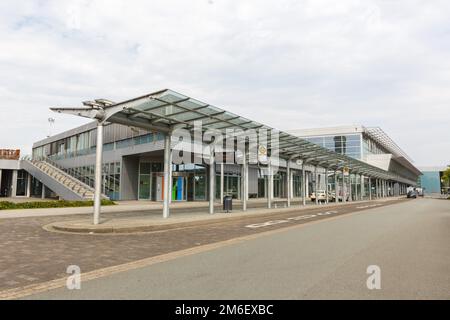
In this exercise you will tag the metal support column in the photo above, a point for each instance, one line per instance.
(326, 186)
(376, 188)
(244, 182)
(316, 184)
(288, 182)
(269, 184)
(336, 187)
(303, 184)
(222, 180)
(43, 192)
(167, 168)
(343, 187)
(370, 188)
(362, 188)
(98, 173)
(350, 191)
(212, 180)
(170, 177)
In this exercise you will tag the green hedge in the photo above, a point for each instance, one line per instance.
(6, 205)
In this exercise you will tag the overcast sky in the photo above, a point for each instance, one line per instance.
(287, 64)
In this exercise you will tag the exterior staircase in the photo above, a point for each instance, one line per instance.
(63, 184)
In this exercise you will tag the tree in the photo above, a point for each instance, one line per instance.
(446, 176)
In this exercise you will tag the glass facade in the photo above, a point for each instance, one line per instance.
(348, 144)
(371, 147)
(115, 137)
(189, 182)
(22, 182)
(110, 178)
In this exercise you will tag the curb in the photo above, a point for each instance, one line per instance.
(111, 230)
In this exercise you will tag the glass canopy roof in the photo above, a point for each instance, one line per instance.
(166, 109)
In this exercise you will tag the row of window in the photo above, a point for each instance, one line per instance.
(349, 145)
(115, 137)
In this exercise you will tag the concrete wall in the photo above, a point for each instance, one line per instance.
(129, 178)
(10, 164)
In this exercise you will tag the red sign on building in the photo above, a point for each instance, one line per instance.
(9, 154)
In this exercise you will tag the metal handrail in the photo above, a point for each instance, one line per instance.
(70, 173)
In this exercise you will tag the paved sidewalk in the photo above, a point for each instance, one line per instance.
(153, 221)
(139, 205)
(122, 206)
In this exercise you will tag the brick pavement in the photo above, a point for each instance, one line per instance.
(30, 255)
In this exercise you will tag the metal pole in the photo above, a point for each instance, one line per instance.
(43, 192)
(98, 173)
(343, 187)
(370, 188)
(335, 186)
(288, 182)
(316, 184)
(170, 177)
(212, 177)
(167, 167)
(222, 180)
(377, 187)
(363, 191)
(350, 191)
(244, 182)
(303, 184)
(269, 185)
(326, 186)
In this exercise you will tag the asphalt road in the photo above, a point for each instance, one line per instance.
(325, 259)
(31, 255)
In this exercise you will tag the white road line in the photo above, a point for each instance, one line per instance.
(287, 220)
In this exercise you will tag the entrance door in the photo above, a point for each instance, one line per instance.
(178, 188)
(144, 187)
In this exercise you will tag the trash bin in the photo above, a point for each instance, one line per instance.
(227, 203)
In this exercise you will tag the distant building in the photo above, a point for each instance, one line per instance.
(371, 145)
(13, 180)
(431, 180)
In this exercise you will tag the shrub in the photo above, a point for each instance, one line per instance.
(7, 205)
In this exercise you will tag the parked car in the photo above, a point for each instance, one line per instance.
(412, 194)
(339, 197)
(321, 196)
(419, 192)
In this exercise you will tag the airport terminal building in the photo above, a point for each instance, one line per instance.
(138, 146)
(368, 144)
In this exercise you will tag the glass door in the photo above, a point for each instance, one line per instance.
(144, 187)
(145, 182)
(200, 187)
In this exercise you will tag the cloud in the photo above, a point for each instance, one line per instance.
(285, 63)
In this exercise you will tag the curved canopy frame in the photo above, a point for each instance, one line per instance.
(166, 110)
